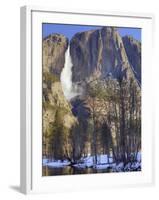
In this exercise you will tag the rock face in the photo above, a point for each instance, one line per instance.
(54, 101)
(54, 47)
(133, 51)
(101, 53)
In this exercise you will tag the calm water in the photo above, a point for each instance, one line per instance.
(68, 170)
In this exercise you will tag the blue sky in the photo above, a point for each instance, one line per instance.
(70, 30)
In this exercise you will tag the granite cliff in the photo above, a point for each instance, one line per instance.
(102, 53)
(54, 47)
(133, 51)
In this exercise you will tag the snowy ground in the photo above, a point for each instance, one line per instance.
(102, 163)
(55, 164)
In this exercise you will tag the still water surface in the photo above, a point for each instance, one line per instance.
(68, 170)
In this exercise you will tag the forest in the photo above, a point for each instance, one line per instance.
(109, 123)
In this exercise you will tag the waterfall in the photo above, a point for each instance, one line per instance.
(68, 87)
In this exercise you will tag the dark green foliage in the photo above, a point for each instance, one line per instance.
(56, 135)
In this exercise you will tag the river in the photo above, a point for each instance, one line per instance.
(68, 170)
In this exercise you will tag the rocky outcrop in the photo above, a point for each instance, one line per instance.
(99, 53)
(133, 51)
(54, 47)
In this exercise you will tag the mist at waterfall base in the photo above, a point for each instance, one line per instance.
(70, 89)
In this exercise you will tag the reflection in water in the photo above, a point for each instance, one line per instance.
(68, 170)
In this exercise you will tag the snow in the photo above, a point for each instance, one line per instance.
(139, 156)
(45, 161)
(101, 159)
(105, 166)
(55, 164)
(104, 159)
(102, 163)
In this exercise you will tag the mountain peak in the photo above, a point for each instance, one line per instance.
(99, 53)
(54, 47)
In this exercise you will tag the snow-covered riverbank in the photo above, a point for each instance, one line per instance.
(103, 162)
